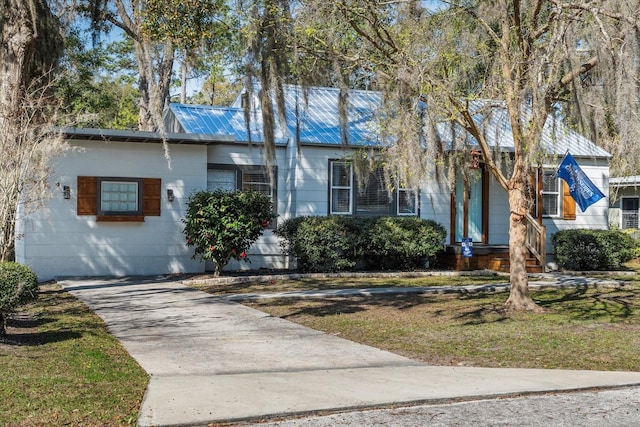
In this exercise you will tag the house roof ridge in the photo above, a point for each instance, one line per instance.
(205, 106)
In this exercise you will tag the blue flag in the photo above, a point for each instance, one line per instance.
(583, 191)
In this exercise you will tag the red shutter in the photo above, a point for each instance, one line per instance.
(87, 197)
(151, 196)
(568, 203)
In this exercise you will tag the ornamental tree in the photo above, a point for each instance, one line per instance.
(223, 225)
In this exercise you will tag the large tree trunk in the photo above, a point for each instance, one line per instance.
(519, 204)
(29, 49)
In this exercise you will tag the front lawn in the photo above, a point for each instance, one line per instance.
(582, 328)
(60, 366)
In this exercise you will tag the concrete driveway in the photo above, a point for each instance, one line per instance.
(212, 360)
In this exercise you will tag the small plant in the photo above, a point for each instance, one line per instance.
(223, 225)
(592, 249)
(18, 286)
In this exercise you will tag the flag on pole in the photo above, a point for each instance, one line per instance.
(583, 191)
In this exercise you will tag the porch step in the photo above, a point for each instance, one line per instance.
(492, 257)
(502, 264)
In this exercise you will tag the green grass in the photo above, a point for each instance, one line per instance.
(593, 329)
(60, 366)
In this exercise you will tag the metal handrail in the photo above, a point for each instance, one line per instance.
(536, 240)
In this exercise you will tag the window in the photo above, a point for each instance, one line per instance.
(224, 180)
(372, 197)
(341, 182)
(556, 198)
(346, 197)
(257, 180)
(407, 202)
(118, 199)
(630, 206)
(234, 177)
(550, 194)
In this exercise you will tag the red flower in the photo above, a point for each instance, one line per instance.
(265, 223)
(211, 248)
(233, 251)
(243, 255)
(189, 241)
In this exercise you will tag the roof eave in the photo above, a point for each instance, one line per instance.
(116, 135)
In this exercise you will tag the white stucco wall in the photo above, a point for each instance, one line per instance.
(57, 242)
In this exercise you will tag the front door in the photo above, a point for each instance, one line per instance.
(469, 206)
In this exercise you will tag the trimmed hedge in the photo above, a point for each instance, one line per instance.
(584, 249)
(341, 243)
(18, 286)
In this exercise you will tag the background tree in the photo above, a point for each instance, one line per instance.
(97, 87)
(158, 29)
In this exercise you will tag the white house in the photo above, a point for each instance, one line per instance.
(210, 148)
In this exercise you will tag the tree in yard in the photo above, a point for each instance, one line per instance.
(29, 52)
(223, 225)
(470, 60)
(159, 30)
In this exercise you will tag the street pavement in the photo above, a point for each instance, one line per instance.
(215, 361)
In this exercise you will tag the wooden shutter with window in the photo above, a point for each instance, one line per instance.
(87, 196)
(151, 196)
(568, 203)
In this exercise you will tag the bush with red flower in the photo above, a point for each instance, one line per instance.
(223, 225)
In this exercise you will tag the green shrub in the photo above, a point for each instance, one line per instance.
(223, 225)
(401, 243)
(592, 249)
(325, 244)
(18, 286)
(635, 235)
(338, 243)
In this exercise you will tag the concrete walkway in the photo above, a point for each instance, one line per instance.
(212, 360)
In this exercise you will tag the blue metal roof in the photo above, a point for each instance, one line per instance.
(311, 113)
(493, 120)
(312, 116)
(204, 119)
(319, 120)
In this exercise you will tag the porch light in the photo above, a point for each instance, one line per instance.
(475, 159)
(66, 192)
(170, 194)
